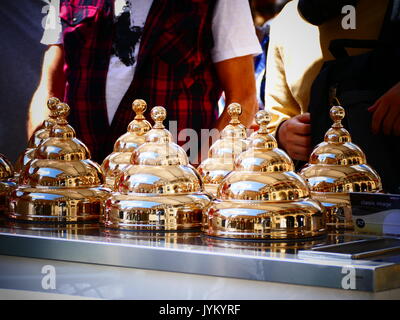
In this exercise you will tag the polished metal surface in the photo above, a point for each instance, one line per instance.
(337, 167)
(120, 159)
(360, 249)
(60, 184)
(190, 252)
(263, 198)
(222, 154)
(21, 279)
(7, 182)
(160, 190)
(69, 230)
(40, 134)
(6, 168)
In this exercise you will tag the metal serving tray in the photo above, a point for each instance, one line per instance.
(322, 262)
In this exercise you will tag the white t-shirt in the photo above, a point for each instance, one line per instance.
(233, 32)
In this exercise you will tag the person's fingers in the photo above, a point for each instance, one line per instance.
(300, 150)
(396, 127)
(299, 153)
(301, 141)
(303, 129)
(294, 126)
(385, 111)
(304, 118)
(389, 120)
(254, 127)
(301, 157)
(373, 108)
(295, 139)
(378, 117)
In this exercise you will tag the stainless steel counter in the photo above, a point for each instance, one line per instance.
(296, 263)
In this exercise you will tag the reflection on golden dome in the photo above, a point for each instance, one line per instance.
(263, 198)
(119, 160)
(222, 154)
(6, 168)
(160, 191)
(7, 183)
(337, 167)
(60, 184)
(41, 134)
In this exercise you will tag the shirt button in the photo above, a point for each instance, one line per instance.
(74, 19)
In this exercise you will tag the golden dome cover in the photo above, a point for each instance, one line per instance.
(263, 198)
(41, 134)
(60, 184)
(221, 156)
(119, 160)
(337, 167)
(7, 183)
(160, 191)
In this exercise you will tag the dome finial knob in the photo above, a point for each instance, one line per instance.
(234, 111)
(139, 106)
(52, 104)
(337, 114)
(261, 139)
(158, 114)
(62, 113)
(263, 118)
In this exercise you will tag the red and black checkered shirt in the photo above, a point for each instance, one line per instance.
(174, 67)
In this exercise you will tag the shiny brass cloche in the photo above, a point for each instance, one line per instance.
(160, 191)
(41, 133)
(60, 184)
(222, 154)
(337, 167)
(263, 198)
(119, 160)
(7, 183)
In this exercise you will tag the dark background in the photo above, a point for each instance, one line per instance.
(21, 55)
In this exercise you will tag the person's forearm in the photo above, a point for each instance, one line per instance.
(52, 84)
(238, 82)
(249, 108)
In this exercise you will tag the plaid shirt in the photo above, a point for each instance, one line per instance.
(174, 68)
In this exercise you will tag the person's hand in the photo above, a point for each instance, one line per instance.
(294, 136)
(386, 113)
(254, 126)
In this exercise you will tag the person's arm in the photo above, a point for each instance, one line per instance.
(237, 78)
(291, 128)
(52, 84)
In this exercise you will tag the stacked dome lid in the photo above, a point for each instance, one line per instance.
(337, 167)
(60, 184)
(222, 154)
(263, 198)
(7, 183)
(119, 160)
(160, 191)
(38, 136)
